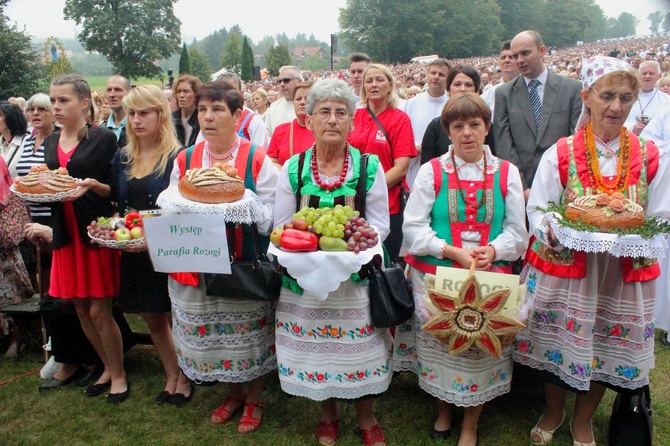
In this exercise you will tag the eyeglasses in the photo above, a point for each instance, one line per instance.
(285, 80)
(324, 114)
(610, 96)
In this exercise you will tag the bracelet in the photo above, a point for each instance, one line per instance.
(495, 252)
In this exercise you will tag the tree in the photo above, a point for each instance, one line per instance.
(519, 15)
(655, 19)
(247, 64)
(313, 63)
(277, 57)
(666, 23)
(184, 62)
(212, 46)
(131, 34)
(624, 25)
(21, 72)
(200, 66)
(473, 28)
(565, 22)
(232, 52)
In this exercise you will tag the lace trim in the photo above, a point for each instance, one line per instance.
(333, 348)
(465, 401)
(618, 246)
(222, 341)
(200, 377)
(221, 316)
(326, 314)
(576, 384)
(248, 209)
(335, 392)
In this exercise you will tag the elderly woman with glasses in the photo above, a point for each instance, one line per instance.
(328, 349)
(591, 316)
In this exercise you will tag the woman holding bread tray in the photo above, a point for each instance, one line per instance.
(221, 339)
(590, 322)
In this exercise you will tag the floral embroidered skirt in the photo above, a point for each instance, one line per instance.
(662, 318)
(221, 339)
(469, 379)
(597, 328)
(329, 349)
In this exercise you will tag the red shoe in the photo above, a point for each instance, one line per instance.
(327, 433)
(248, 422)
(221, 414)
(373, 436)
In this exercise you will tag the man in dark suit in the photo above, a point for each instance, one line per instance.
(535, 110)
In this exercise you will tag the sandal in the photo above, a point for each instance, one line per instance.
(248, 422)
(545, 434)
(327, 433)
(372, 436)
(221, 414)
(577, 443)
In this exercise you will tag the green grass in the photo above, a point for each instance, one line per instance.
(67, 417)
(97, 83)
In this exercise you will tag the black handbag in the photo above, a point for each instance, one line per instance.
(631, 422)
(391, 301)
(256, 279)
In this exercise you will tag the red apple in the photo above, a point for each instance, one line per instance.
(122, 234)
(137, 232)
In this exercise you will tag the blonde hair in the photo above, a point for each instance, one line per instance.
(662, 82)
(151, 97)
(393, 96)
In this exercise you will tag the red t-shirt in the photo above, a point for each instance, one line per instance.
(368, 138)
(279, 148)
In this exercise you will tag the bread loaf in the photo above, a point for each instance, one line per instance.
(217, 184)
(606, 212)
(41, 180)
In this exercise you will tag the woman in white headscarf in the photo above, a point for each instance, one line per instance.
(591, 314)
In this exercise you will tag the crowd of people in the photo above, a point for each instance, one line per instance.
(463, 159)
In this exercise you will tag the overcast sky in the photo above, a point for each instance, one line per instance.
(258, 18)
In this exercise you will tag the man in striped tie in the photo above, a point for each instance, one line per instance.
(535, 110)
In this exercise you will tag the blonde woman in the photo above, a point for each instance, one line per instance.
(142, 171)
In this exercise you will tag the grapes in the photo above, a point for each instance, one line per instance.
(343, 222)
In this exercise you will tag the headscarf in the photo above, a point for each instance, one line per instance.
(593, 69)
(5, 183)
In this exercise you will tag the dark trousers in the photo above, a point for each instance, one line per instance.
(394, 240)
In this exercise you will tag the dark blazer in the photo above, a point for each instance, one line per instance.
(120, 192)
(91, 159)
(516, 138)
(436, 142)
(181, 132)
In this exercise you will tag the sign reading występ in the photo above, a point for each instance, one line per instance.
(187, 243)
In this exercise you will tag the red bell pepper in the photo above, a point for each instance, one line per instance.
(293, 240)
(133, 219)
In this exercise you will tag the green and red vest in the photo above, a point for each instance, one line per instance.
(575, 178)
(451, 215)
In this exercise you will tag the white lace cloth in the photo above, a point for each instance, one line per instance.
(321, 272)
(45, 198)
(617, 245)
(248, 209)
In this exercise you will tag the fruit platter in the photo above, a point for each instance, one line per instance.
(117, 232)
(321, 248)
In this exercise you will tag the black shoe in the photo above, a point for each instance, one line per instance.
(179, 399)
(117, 398)
(98, 389)
(163, 397)
(55, 382)
(439, 435)
(90, 375)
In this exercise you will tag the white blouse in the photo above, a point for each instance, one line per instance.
(422, 240)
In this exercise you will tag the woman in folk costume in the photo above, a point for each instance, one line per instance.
(590, 324)
(220, 339)
(467, 206)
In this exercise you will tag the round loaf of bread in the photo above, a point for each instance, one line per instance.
(211, 185)
(606, 212)
(40, 180)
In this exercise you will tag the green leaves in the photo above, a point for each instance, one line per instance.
(131, 34)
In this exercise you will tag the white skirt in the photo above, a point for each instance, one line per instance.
(221, 339)
(329, 349)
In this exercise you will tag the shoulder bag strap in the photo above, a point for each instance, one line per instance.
(298, 193)
(290, 140)
(381, 127)
(362, 177)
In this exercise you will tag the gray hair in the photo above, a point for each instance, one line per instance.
(651, 62)
(296, 70)
(39, 100)
(331, 89)
(233, 79)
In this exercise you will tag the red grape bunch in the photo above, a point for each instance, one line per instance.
(102, 231)
(359, 234)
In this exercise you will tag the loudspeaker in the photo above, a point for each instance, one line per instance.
(257, 72)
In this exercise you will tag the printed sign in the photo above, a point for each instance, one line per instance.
(187, 243)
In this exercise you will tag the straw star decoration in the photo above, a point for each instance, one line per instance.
(469, 319)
